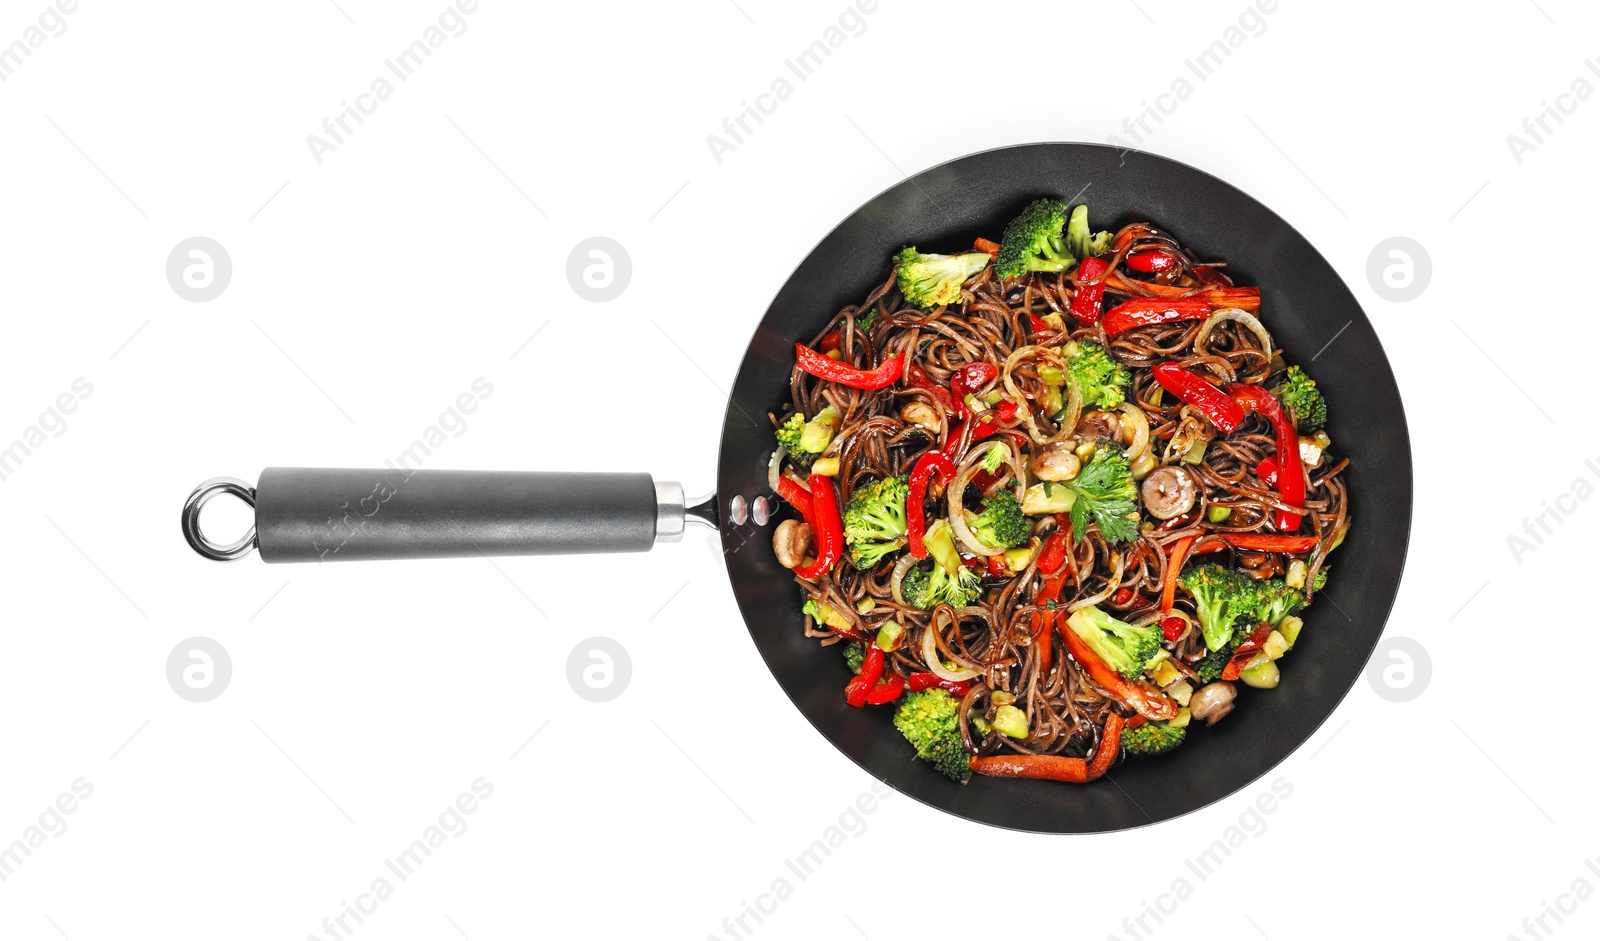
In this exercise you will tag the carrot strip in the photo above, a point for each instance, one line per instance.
(989, 248)
(1039, 767)
(1110, 744)
(1169, 585)
(1056, 767)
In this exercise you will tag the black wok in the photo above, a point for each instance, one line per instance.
(330, 515)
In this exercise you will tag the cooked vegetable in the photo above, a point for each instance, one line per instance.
(1079, 241)
(1035, 241)
(928, 721)
(791, 539)
(1168, 492)
(1101, 380)
(1291, 480)
(832, 370)
(1001, 525)
(1010, 721)
(1223, 411)
(854, 653)
(1211, 702)
(875, 520)
(1209, 667)
(930, 281)
(1152, 738)
(1124, 647)
(947, 580)
(825, 526)
(1302, 400)
(1221, 597)
(817, 433)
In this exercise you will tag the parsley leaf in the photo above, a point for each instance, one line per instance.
(1104, 490)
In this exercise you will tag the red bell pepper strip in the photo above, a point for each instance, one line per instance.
(1150, 260)
(970, 378)
(1267, 470)
(1147, 311)
(855, 691)
(795, 495)
(921, 681)
(830, 341)
(1056, 767)
(1247, 651)
(931, 463)
(1054, 551)
(1091, 290)
(1223, 411)
(1044, 624)
(1271, 542)
(824, 367)
(1123, 597)
(1291, 475)
(826, 527)
(1144, 699)
(887, 691)
(987, 425)
(1172, 628)
(917, 378)
(997, 566)
(1037, 326)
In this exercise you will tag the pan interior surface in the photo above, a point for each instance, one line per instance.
(1304, 305)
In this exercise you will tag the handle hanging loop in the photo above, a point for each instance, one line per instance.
(191, 519)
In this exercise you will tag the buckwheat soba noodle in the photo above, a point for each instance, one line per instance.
(1056, 498)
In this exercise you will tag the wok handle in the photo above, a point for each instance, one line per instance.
(308, 514)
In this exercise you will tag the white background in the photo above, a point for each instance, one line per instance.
(370, 290)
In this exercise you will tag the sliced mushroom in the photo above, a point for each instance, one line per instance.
(1168, 492)
(1211, 702)
(921, 414)
(790, 541)
(1055, 461)
(1098, 425)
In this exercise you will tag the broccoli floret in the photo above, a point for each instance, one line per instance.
(1275, 600)
(788, 434)
(1035, 241)
(933, 280)
(1221, 597)
(1079, 241)
(1001, 525)
(854, 653)
(947, 580)
(1209, 669)
(1102, 381)
(1123, 646)
(875, 520)
(992, 459)
(1300, 396)
(1153, 738)
(928, 721)
(1320, 579)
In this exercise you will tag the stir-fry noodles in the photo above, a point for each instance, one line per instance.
(1054, 498)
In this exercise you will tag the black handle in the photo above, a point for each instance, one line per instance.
(307, 514)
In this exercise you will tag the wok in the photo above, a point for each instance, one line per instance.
(304, 514)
